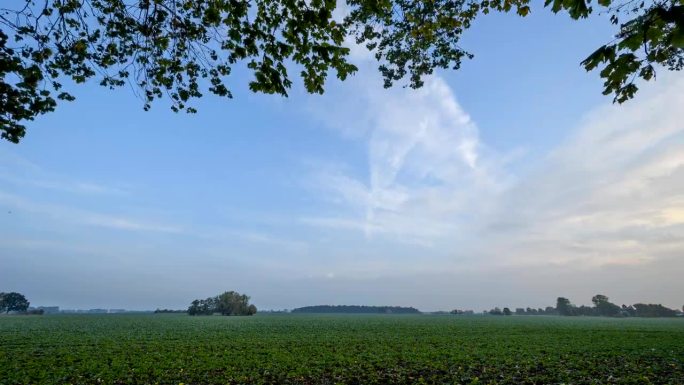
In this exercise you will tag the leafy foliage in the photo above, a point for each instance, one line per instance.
(411, 37)
(15, 302)
(564, 307)
(184, 48)
(651, 310)
(603, 307)
(22, 99)
(162, 47)
(652, 35)
(228, 303)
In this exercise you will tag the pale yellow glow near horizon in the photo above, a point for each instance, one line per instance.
(674, 215)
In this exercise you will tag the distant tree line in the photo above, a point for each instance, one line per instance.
(228, 303)
(498, 311)
(462, 312)
(164, 311)
(274, 311)
(549, 310)
(602, 307)
(355, 309)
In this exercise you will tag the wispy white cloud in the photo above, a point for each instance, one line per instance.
(230, 235)
(63, 185)
(16, 170)
(427, 171)
(611, 194)
(66, 214)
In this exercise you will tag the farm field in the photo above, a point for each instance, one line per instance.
(339, 349)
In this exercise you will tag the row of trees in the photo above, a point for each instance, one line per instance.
(523, 311)
(228, 303)
(354, 309)
(462, 312)
(169, 311)
(603, 307)
(549, 310)
(13, 302)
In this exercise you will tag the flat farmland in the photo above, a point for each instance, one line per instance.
(339, 349)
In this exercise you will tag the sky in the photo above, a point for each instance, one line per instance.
(509, 182)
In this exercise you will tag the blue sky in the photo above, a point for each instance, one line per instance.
(507, 183)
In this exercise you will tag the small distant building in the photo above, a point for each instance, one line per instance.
(97, 311)
(114, 311)
(49, 309)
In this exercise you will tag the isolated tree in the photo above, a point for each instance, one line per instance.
(13, 302)
(184, 48)
(233, 303)
(228, 303)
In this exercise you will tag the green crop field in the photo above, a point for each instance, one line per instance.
(306, 349)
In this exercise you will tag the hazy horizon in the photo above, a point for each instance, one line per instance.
(495, 185)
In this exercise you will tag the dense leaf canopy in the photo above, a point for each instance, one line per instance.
(13, 302)
(184, 48)
(227, 303)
